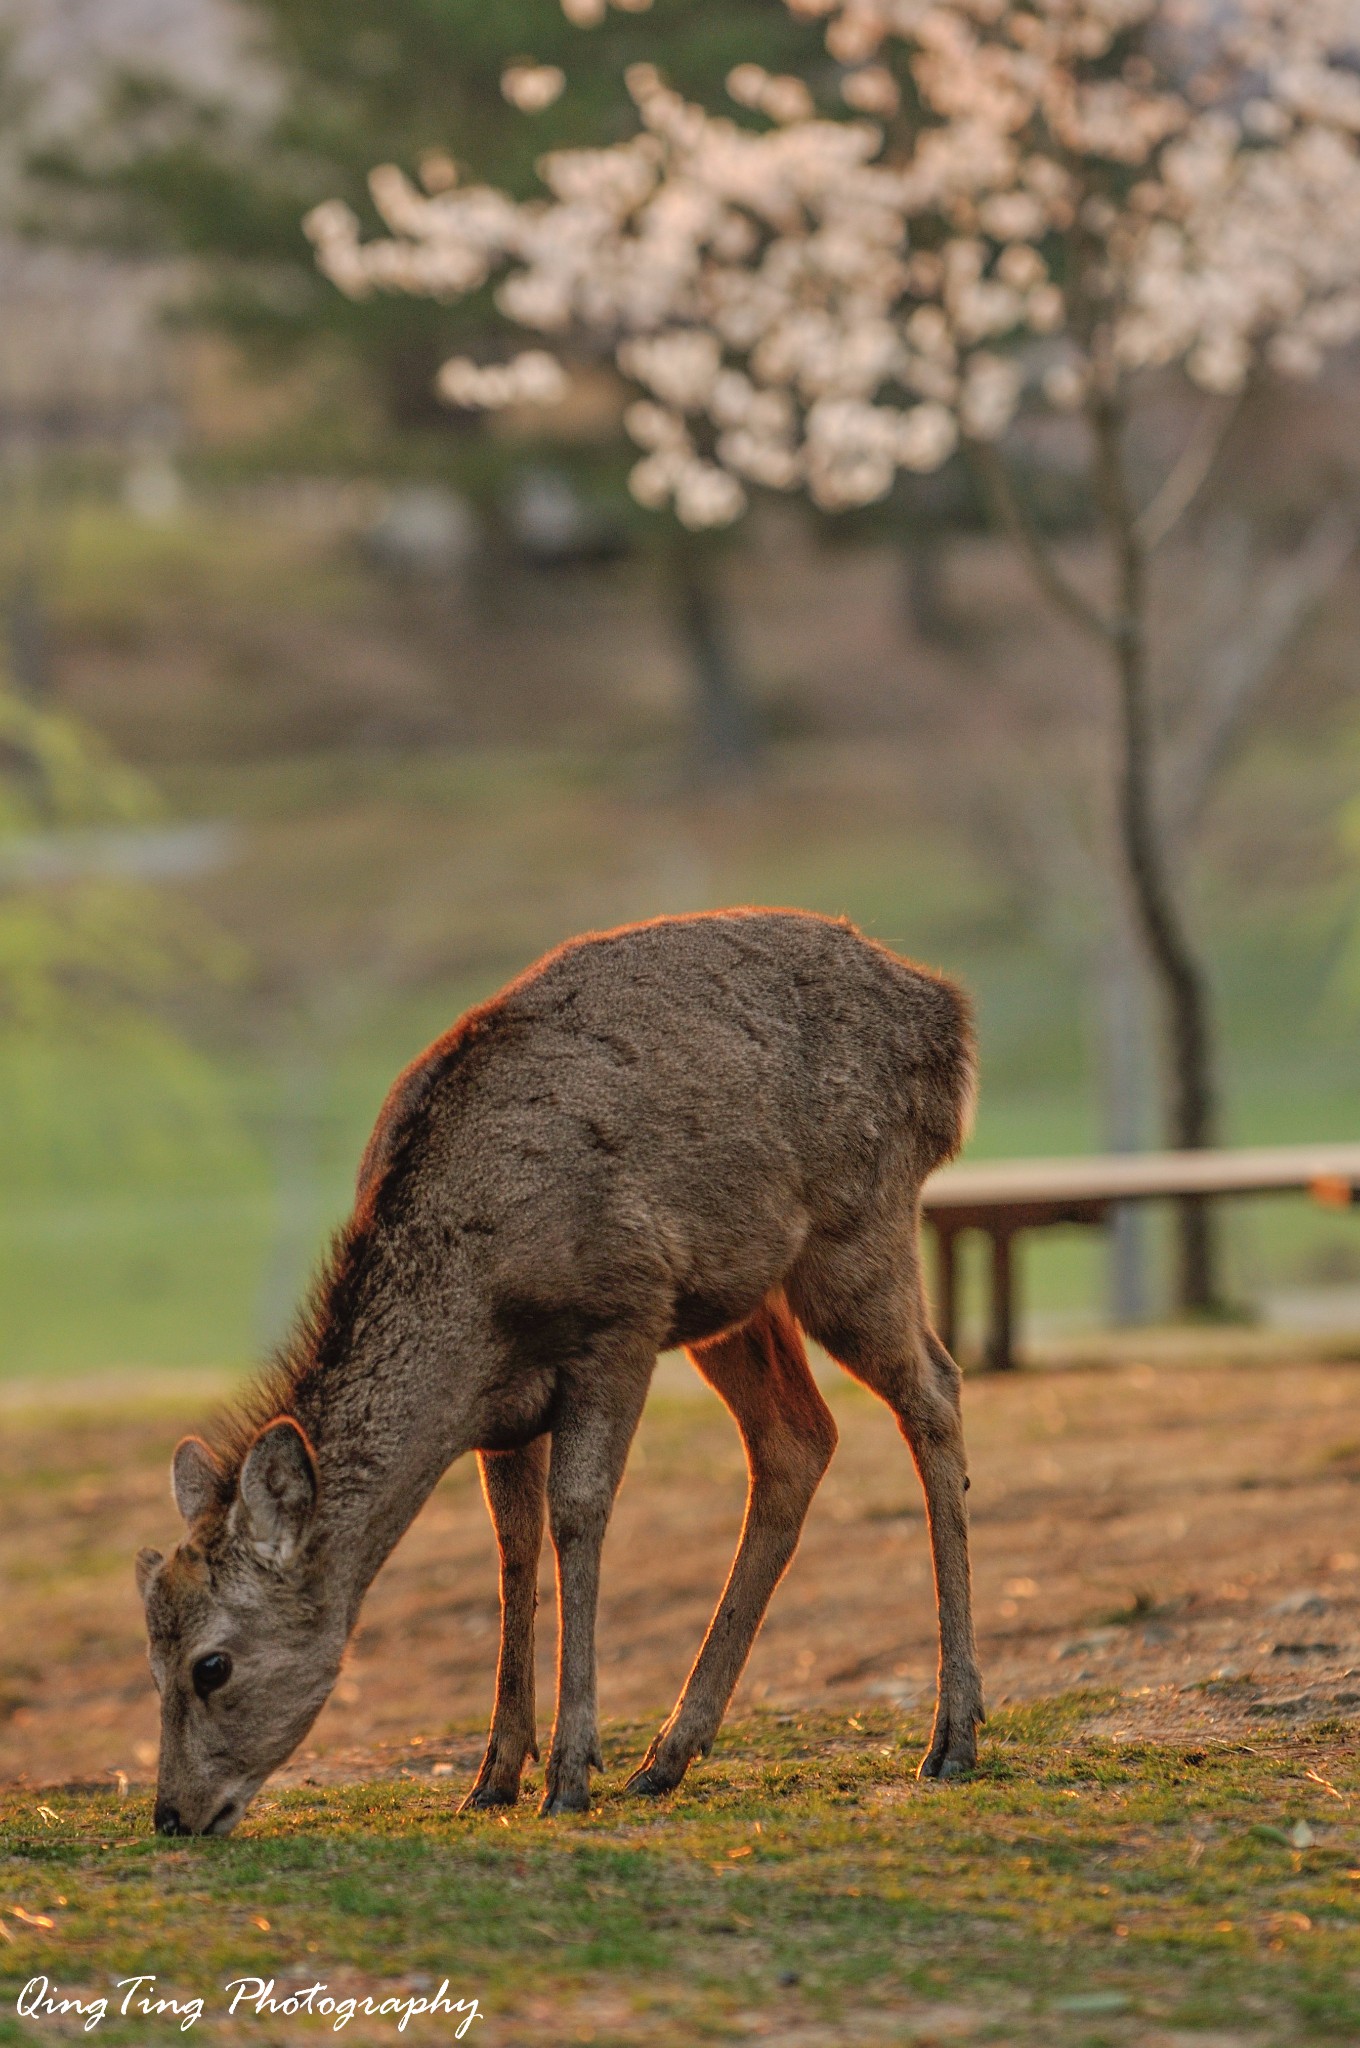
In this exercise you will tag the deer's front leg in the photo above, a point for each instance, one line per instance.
(590, 1443)
(515, 1485)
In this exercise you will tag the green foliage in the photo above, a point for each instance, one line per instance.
(89, 960)
(80, 948)
(56, 772)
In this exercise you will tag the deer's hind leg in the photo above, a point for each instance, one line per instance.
(865, 1303)
(515, 1485)
(761, 1372)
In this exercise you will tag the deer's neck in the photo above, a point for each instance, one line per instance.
(383, 1433)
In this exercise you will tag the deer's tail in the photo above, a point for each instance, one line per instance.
(945, 1070)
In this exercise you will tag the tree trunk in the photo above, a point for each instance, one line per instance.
(1191, 1106)
(726, 740)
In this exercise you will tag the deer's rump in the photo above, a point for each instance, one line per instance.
(653, 1123)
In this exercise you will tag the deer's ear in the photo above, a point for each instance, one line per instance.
(278, 1490)
(148, 1564)
(195, 1478)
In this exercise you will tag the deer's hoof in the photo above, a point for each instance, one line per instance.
(567, 1799)
(949, 1756)
(483, 1797)
(944, 1768)
(651, 1781)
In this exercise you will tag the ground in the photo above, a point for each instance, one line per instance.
(1160, 1846)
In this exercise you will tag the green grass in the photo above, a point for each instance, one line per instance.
(1075, 1890)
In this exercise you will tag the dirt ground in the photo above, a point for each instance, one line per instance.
(1183, 1539)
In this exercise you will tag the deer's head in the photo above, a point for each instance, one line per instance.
(244, 1641)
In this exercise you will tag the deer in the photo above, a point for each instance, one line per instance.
(706, 1131)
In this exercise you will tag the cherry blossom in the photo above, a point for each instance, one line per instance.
(533, 87)
(1076, 190)
(1010, 202)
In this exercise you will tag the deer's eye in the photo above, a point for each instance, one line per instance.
(211, 1673)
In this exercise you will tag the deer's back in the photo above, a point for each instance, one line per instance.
(675, 1108)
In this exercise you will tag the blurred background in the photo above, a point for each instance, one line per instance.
(324, 709)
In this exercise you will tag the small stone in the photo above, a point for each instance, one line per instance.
(1093, 2001)
(1080, 1646)
(788, 1978)
(1301, 1603)
(1301, 1836)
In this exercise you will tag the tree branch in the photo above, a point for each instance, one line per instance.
(1188, 474)
(1011, 516)
(1241, 666)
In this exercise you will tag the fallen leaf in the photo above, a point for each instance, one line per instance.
(733, 1854)
(29, 1919)
(1325, 1783)
(258, 1920)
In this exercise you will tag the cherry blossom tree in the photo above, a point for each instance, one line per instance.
(1018, 204)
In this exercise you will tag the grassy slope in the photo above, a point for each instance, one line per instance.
(1077, 1889)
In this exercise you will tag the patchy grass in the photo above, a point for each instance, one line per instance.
(801, 1885)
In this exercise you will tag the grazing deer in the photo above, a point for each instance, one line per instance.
(708, 1131)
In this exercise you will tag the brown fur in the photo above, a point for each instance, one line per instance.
(707, 1131)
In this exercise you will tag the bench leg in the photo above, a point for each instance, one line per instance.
(1001, 1333)
(946, 1288)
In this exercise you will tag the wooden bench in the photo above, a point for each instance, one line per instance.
(1007, 1196)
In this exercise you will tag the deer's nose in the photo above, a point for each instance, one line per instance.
(168, 1820)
